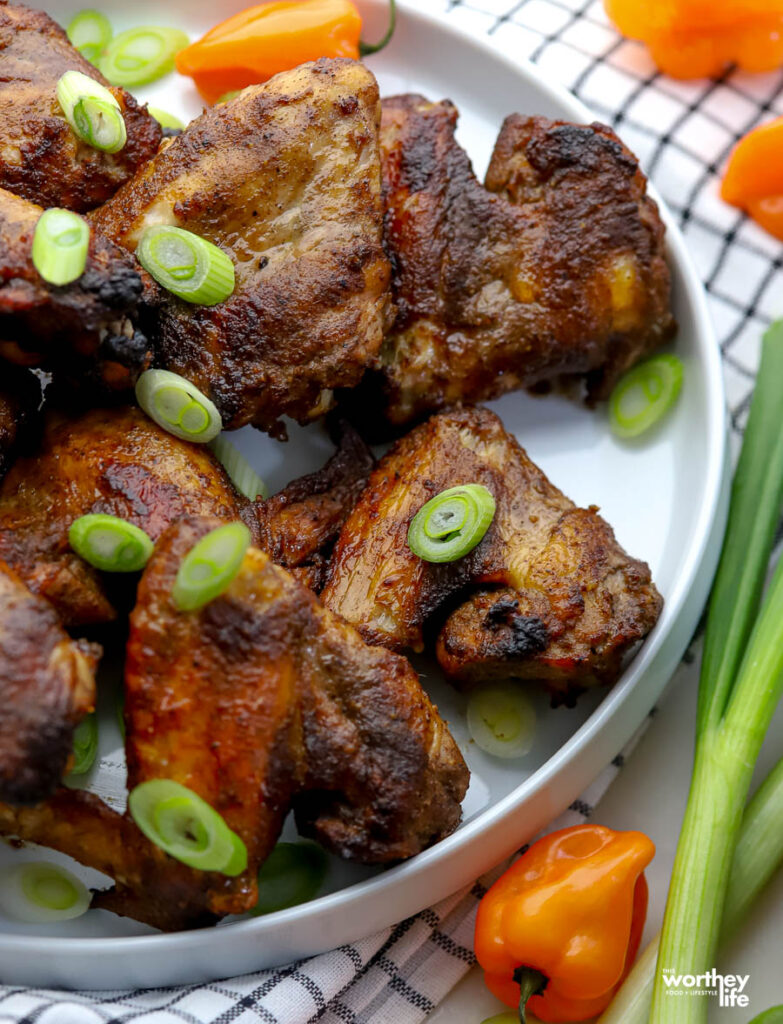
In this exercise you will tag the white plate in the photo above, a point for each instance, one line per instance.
(665, 497)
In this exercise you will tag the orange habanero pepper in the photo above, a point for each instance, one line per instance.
(558, 932)
(754, 176)
(698, 38)
(261, 41)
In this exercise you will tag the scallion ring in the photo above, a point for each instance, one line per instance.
(186, 265)
(167, 120)
(110, 543)
(92, 112)
(452, 523)
(40, 893)
(178, 821)
(210, 566)
(501, 720)
(90, 32)
(242, 474)
(178, 406)
(292, 874)
(61, 243)
(644, 395)
(142, 55)
(85, 745)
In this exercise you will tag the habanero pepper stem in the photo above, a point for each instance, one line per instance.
(262, 41)
(559, 930)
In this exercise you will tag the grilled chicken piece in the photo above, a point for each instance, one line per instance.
(259, 701)
(79, 824)
(285, 179)
(20, 398)
(47, 685)
(562, 272)
(115, 461)
(299, 524)
(41, 158)
(91, 328)
(572, 601)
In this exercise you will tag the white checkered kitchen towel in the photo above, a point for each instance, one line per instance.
(682, 133)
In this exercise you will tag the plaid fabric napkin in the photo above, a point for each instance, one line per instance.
(682, 133)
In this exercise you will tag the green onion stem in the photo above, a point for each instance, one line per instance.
(734, 714)
(758, 855)
(756, 498)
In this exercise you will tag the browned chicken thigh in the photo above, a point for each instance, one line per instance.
(561, 272)
(114, 461)
(260, 701)
(93, 328)
(46, 686)
(285, 178)
(41, 158)
(571, 602)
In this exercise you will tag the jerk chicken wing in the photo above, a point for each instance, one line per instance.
(93, 327)
(556, 268)
(285, 179)
(571, 602)
(114, 461)
(260, 701)
(41, 158)
(46, 686)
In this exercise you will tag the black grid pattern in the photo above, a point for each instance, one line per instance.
(682, 133)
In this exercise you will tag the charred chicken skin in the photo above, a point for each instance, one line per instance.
(46, 686)
(41, 158)
(260, 701)
(570, 601)
(285, 178)
(555, 269)
(91, 328)
(114, 461)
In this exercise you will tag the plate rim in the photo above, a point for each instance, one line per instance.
(707, 530)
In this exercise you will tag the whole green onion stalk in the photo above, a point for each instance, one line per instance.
(758, 856)
(740, 685)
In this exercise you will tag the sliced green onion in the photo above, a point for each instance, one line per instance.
(644, 395)
(178, 821)
(185, 265)
(90, 32)
(228, 96)
(85, 745)
(142, 55)
(210, 566)
(242, 474)
(178, 406)
(110, 543)
(292, 874)
(452, 523)
(501, 720)
(60, 246)
(167, 120)
(92, 112)
(39, 893)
